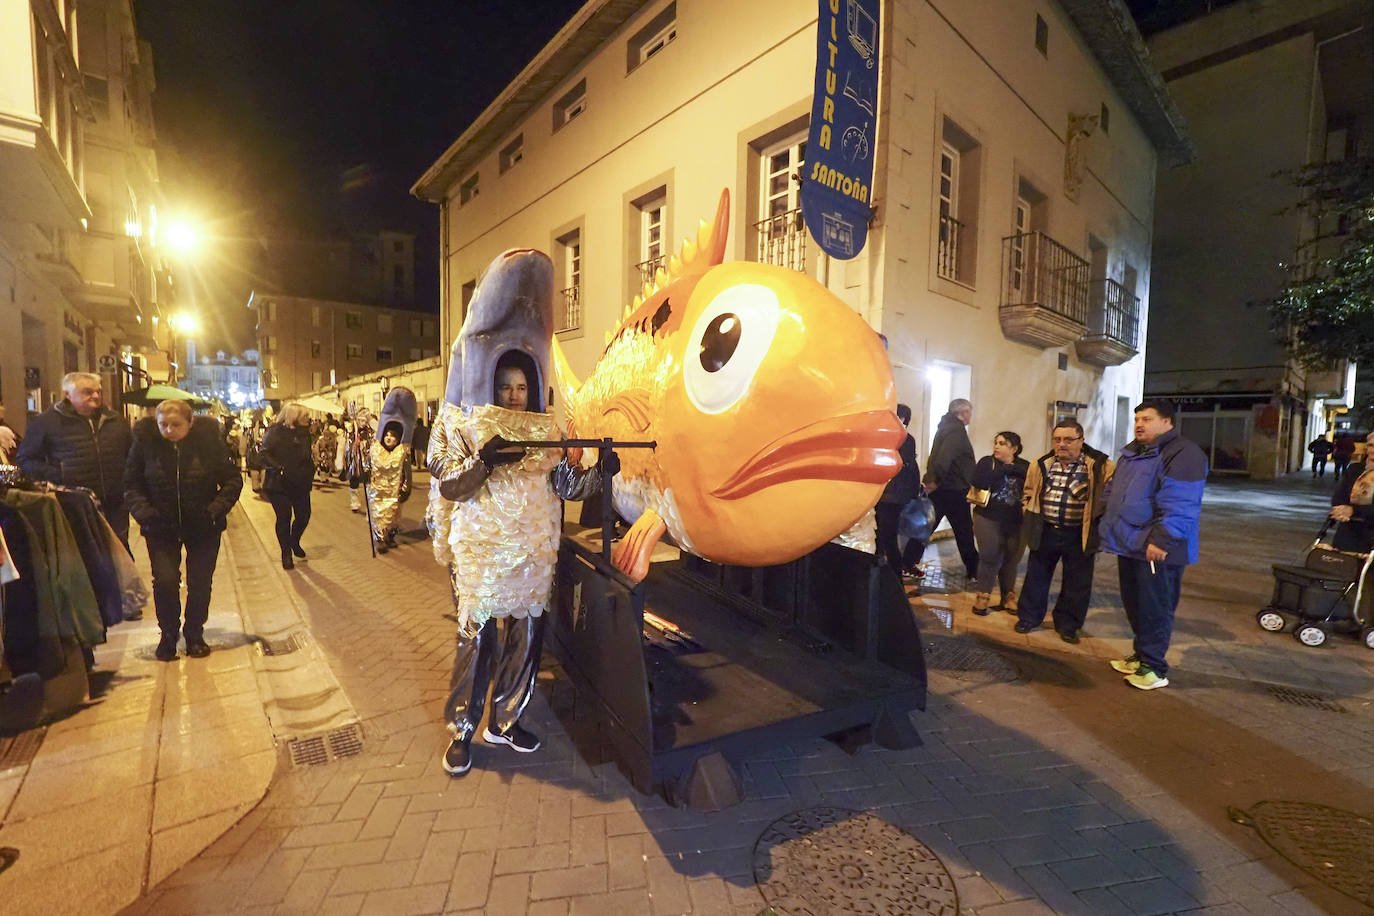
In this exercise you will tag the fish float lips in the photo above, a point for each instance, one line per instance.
(855, 448)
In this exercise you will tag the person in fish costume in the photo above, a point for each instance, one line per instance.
(496, 516)
(389, 483)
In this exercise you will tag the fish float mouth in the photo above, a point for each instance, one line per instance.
(856, 448)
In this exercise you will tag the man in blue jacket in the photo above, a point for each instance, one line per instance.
(1153, 502)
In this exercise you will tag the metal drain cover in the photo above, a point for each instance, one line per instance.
(1302, 698)
(19, 750)
(286, 646)
(344, 741)
(964, 661)
(1329, 844)
(832, 860)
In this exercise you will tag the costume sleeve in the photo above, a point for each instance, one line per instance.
(455, 465)
(574, 482)
(1178, 503)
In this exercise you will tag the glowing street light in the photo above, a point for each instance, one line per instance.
(182, 237)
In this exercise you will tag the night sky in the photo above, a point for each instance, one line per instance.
(263, 107)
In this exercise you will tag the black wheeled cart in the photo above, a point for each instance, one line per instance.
(702, 665)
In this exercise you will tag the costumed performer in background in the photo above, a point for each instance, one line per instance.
(389, 483)
(358, 457)
(497, 516)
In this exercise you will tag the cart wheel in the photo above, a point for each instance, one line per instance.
(1272, 621)
(1367, 637)
(1309, 634)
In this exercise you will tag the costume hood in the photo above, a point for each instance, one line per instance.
(399, 407)
(512, 310)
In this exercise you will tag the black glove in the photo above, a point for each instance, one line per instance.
(491, 454)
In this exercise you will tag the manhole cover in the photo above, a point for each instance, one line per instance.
(1330, 844)
(831, 860)
(965, 661)
(1299, 698)
(19, 750)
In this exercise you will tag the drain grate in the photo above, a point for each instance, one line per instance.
(831, 860)
(1329, 844)
(19, 750)
(965, 661)
(344, 741)
(1300, 698)
(286, 646)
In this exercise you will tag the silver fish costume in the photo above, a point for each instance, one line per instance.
(389, 478)
(495, 518)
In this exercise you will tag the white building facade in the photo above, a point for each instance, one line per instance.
(1008, 253)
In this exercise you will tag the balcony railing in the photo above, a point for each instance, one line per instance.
(782, 240)
(1113, 325)
(571, 319)
(648, 267)
(947, 249)
(1044, 291)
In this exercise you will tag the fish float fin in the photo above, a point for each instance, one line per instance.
(631, 555)
(564, 377)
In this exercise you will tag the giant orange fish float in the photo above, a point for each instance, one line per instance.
(772, 403)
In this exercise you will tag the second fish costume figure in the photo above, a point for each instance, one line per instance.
(389, 481)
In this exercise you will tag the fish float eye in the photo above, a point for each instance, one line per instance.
(727, 345)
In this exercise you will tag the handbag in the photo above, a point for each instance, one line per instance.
(917, 520)
(978, 497)
(273, 480)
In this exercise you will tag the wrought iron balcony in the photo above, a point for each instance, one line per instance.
(947, 249)
(782, 240)
(571, 319)
(1044, 291)
(648, 267)
(1113, 325)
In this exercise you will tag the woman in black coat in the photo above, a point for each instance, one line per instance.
(900, 490)
(180, 486)
(290, 464)
(997, 523)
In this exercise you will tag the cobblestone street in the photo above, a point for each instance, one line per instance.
(1043, 784)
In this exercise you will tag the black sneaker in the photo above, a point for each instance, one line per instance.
(517, 738)
(167, 649)
(1023, 627)
(1069, 636)
(196, 648)
(458, 758)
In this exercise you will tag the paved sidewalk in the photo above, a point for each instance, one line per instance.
(163, 759)
(1044, 784)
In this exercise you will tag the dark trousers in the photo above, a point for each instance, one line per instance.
(164, 555)
(1150, 599)
(1338, 466)
(504, 656)
(1319, 466)
(293, 514)
(1057, 545)
(951, 504)
(888, 513)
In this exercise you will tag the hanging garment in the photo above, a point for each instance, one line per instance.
(79, 509)
(8, 571)
(68, 607)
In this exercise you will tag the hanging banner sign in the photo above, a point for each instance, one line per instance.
(838, 172)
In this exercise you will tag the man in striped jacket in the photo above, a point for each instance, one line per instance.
(1151, 523)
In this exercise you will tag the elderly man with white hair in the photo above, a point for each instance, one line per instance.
(79, 442)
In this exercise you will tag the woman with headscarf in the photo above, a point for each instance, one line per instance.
(289, 472)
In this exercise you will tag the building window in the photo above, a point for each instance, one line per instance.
(398, 280)
(315, 349)
(780, 231)
(398, 247)
(269, 311)
(468, 190)
(383, 354)
(653, 219)
(314, 316)
(353, 320)
(1104, 119)
(570, 250)
(316, 381)
(956, 213)
(512, 153)
(415, 327)
(353, 351)
(572, 104)
(384, 324)
(654, 37)
(269, 344)
(1028, 215)
(414, 353)
(1042, 35)
(430, 328)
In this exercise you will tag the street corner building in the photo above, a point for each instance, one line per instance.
(1005, 233)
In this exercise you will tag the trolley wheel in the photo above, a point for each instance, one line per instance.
(1272, 621)
(1367, 637)
(1310, 634)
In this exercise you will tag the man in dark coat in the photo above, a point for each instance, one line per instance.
(79, 442)
(949, 474)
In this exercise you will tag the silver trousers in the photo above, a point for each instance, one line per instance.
(504, 656)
